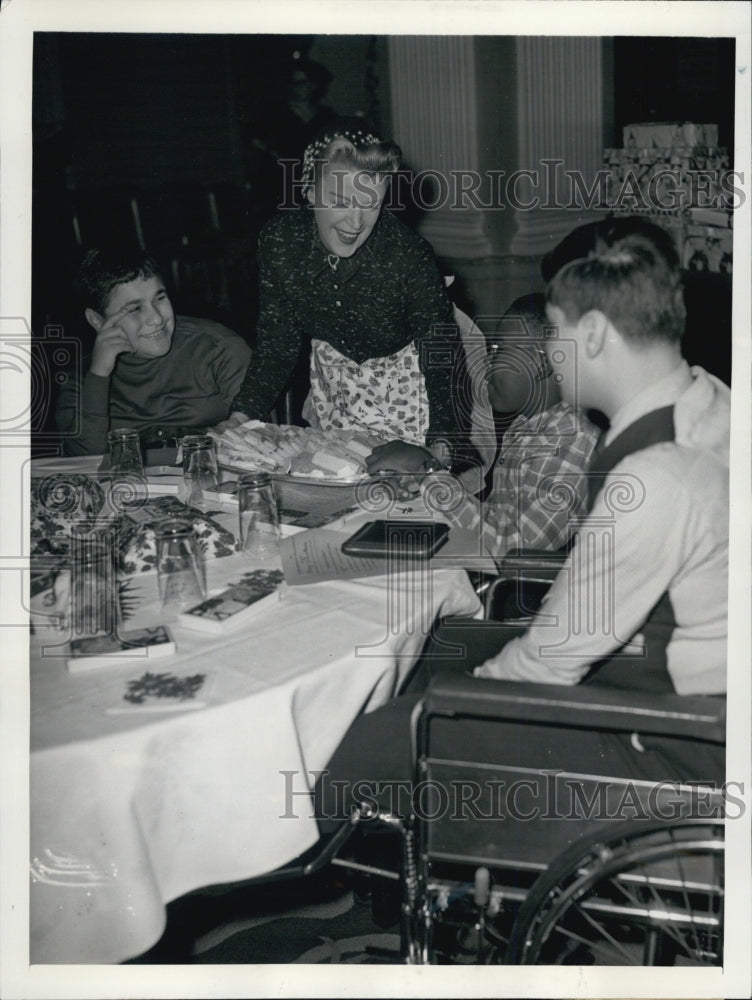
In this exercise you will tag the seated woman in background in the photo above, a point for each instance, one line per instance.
(150, 370)
(363, 293)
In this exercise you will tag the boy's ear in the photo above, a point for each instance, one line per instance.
(93, 318)
(594, 325)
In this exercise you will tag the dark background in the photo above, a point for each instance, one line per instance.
(675, 79)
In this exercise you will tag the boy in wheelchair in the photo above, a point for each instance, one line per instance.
(638, 609)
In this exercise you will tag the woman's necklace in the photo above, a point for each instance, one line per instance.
(332, 260)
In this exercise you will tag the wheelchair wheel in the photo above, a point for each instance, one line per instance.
(642, 894)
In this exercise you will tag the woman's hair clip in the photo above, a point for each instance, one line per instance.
(314, 149)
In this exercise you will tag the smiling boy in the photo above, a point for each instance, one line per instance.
(149, 369)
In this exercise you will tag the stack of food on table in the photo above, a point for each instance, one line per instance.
(337, 455)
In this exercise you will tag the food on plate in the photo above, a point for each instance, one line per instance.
(299, 451)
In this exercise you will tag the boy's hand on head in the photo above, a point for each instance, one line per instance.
(110, 342)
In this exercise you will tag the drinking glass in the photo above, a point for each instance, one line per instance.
(125, 453)
(199, 468)
(94, 590)
(259, 517)
(180, 568)
(128, 487)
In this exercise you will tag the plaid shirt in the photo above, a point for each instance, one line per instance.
(539, 488)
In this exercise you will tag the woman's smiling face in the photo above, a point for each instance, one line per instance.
(346, 206)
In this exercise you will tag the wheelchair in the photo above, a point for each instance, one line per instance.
(589, 882)
(605, 870)
(568, 885)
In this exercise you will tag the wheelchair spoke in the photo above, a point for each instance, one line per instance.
(690, 942)
(647, 896)
(635, 901)
(685, 896)
(594, 949)
(603, 932)
(666, 927)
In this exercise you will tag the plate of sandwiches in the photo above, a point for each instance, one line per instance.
(301, 455)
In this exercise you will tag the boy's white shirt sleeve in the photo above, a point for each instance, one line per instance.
(622, 563)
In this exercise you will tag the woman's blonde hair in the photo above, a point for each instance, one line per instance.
(353, 148)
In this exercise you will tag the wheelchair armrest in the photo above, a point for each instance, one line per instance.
(531, 564)
(519, 564)
(590, 707)
(524, 576)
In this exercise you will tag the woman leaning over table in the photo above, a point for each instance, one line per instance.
(365, 292)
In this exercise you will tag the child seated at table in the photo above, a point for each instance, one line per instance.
(641, 601)
(539, 490)
(160, 374)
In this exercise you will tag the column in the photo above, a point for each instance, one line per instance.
(435, 121)
(500, 103)
(560, 104)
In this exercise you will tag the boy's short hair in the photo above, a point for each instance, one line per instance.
(102, 269)
(584, 239)
(531, 309)
(632, 276)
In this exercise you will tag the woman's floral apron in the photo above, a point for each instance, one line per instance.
(385, 396)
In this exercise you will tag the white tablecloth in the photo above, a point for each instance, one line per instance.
(131, 809)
